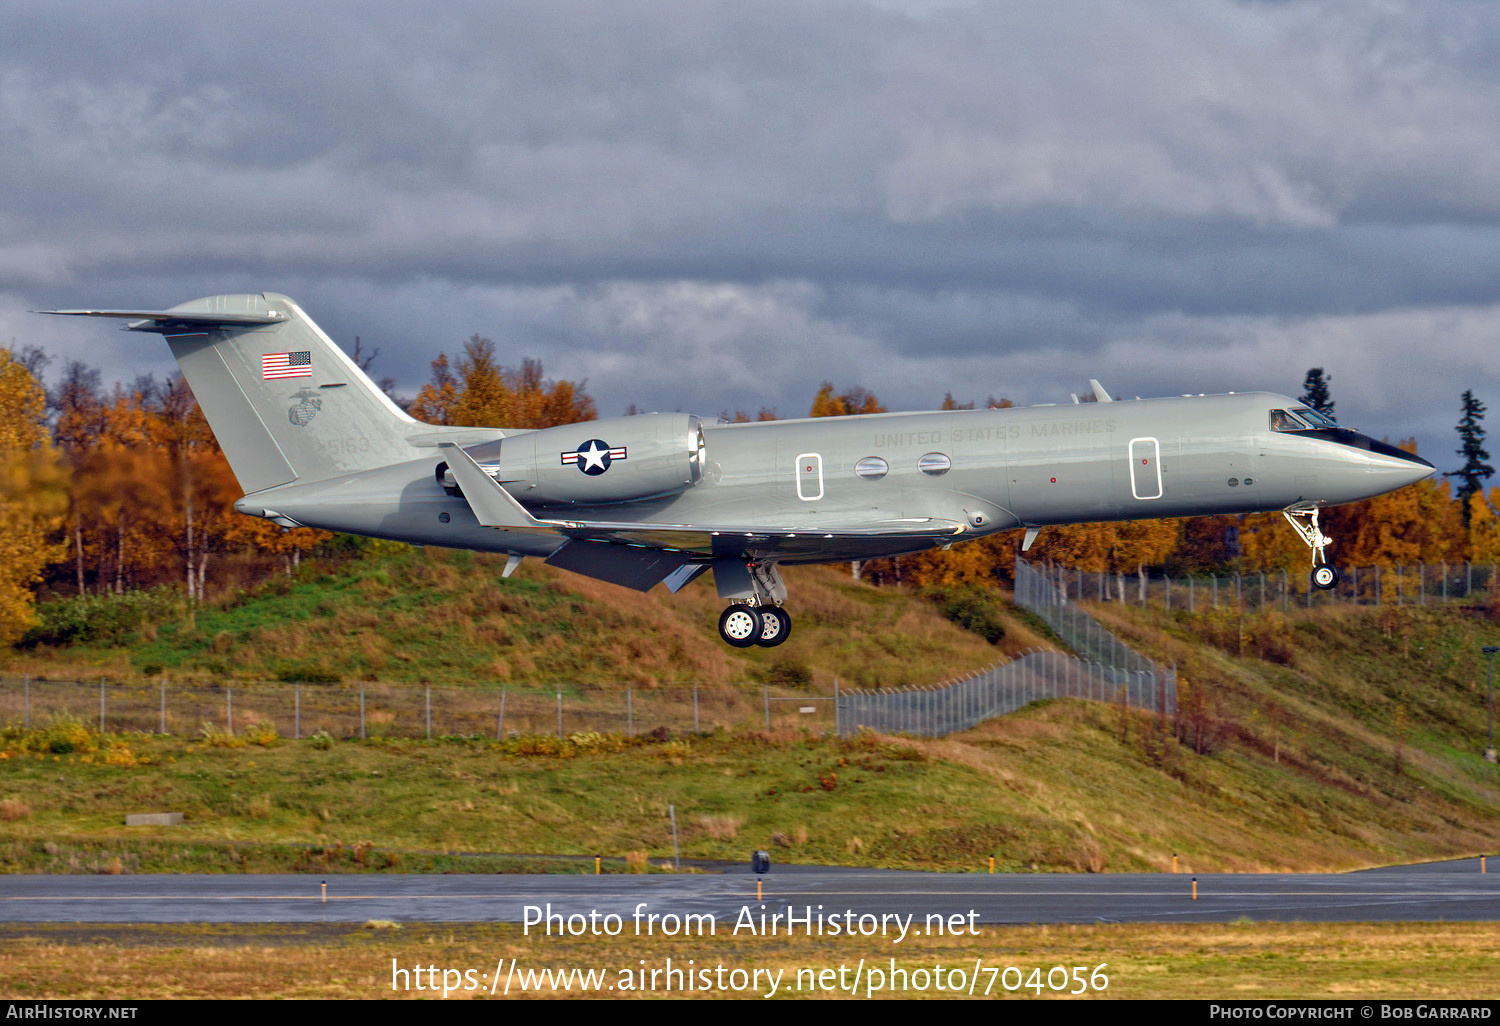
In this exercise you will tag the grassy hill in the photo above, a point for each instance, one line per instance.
(1326, 740)
(405, 614)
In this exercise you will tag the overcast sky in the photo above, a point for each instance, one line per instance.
(709, 206)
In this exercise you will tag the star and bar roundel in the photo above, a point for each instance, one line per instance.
(594, 456)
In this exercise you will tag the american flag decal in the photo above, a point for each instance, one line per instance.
(286, 365)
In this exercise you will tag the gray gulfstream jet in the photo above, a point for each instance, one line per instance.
(662, 497)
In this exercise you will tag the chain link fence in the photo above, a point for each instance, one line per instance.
(369, 710)
(1001, 689)
(1419, 584)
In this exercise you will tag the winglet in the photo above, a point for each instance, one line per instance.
(1100, 395)
(493, 506)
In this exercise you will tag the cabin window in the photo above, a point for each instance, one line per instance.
(934, 464)
(872, 468)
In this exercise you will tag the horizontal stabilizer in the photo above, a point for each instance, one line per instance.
(493, 506)
(177, 322)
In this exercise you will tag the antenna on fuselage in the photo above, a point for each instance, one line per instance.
(1100, 395)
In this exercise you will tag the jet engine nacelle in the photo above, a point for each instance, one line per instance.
(600, 461)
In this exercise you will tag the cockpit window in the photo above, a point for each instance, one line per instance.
(1300, 419)
(1315, 418)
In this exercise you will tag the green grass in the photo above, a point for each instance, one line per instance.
(435, 615)
(1323, 740)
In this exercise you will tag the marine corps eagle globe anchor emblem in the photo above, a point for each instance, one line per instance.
(305, 408)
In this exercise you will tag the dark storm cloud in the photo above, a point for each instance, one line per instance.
(718, 205)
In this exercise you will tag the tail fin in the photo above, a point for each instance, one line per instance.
(283, 400)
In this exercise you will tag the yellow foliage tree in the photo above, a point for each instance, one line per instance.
(849, 403)
(485, 394)
(32, 496)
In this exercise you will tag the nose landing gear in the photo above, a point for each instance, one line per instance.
(1324, 574)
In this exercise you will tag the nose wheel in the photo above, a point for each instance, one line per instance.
(1324, 574)
(743, 625)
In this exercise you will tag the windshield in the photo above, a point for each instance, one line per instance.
(1300, 419)
(1315, 418)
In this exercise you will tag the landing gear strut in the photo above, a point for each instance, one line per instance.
(1305, 521)
(756, 617)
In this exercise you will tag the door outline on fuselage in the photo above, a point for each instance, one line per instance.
(1145, 464)
(808, 465)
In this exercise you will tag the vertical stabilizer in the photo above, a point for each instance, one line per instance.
(284, 402)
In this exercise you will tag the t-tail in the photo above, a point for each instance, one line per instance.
(285, 403)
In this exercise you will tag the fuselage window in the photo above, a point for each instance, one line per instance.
(934, 464)
(871, 468)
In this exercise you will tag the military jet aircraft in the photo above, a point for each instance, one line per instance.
(663, 497)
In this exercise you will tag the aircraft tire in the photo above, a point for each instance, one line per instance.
(1325, 576)
(740, 626)
(775, 626)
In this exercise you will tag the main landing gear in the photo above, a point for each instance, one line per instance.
(743, 625)
(1305, 521)
(756, 617)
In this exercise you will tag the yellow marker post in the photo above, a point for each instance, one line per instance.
(992, 864)
(597, 871)
(1174, 862)
(325, 892)
(757, 890)
(1481, 863)
(1195, 888)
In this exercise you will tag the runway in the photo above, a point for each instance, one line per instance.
(1433, 892)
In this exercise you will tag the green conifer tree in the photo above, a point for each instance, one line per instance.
(1315, 392)
(1475, 469)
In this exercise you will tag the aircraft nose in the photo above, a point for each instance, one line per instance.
(1394, 471)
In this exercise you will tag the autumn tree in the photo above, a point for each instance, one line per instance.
(32, 498)
(1416, 524)
(1315, 392)
(485, 394)
(1475, 470)
(848, 403)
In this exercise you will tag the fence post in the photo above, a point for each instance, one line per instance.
(101, 705)
(1445, 580)
(427, 707)
(361, 712)
(297, 712)
(765, 690)
(1262, 608)
(27, 685)
(629, 711)
(1421, 583)
(559, 714)
(1400, 587)
(695, 710)
(229, 706)
(162, 718)
(500, 720)
(837, 731)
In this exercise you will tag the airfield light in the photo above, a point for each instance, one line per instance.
(1489, 653)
